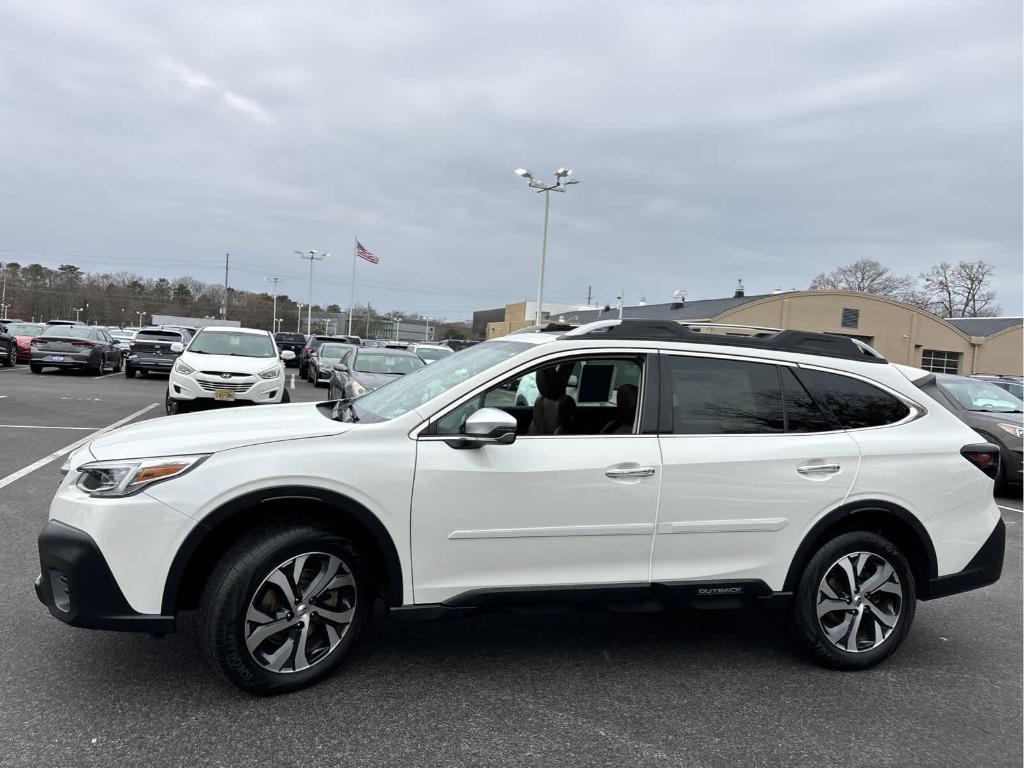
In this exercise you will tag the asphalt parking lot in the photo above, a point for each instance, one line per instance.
(564, 688)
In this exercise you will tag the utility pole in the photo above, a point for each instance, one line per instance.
(273, 318)
(622, 294)
(227, 258)
(141, 313)
(426, 332)
(298, 321)
(588, 294)
(3, 295)
(312, 256)
(78, 311)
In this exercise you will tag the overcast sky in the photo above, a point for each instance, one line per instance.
(713, 140)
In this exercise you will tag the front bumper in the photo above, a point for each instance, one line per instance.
(76, 585)
(248, 389)
(984, 568)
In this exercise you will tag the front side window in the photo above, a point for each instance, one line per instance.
(233, 344)
(854, 404)
(598, 396)
(711, 396)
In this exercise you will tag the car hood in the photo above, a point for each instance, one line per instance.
(375, 380)
(246, 365)
(212, 431)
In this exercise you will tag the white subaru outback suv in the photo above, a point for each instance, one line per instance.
(790, 470)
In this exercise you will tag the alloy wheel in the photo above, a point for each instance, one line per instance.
(859, 601)
(300, 612)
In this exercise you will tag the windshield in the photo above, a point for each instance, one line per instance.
(68, 331)
(975, 395)
(370, 362)
(333, 351)
(157, 335)
(415, 389)
(230, 343)
(24, 329)
(432, 353)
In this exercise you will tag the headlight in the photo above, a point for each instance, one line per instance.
(125, 477)
(357, 388)
(1013, 429)
(271, 373)
(181, 367)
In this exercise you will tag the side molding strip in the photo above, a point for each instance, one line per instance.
(725, 526)
(627, 529)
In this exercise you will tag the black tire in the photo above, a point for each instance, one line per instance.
(237, 580)
(286, 397)
(95, 370)
(808, 630)
(12, 357)
(143, 372)
(35, 368)
(175, 407)
(120, 363)
(129, 372)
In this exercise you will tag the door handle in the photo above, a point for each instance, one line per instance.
(629, 472)
(818, 469)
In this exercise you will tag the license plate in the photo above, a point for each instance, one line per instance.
(57, 358)
(223, 394)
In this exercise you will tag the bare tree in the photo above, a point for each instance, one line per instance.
(961, 290)
(865, 276)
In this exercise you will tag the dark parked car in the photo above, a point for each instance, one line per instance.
(62, 322)
(312, 342)
(993, 412)
(294, 342)
(323, 359)
(75, 346)
(1012, 384)
(365, 369)
(151, 350)
(23, 334)
(8, 347)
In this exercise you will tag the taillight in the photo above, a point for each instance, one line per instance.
(309, 350)
(984, 456)
(36, 342)
(82, 344)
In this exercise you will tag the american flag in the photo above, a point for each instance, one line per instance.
(362, 253)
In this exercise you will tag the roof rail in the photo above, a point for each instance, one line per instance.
(802, 342)
(742, 326)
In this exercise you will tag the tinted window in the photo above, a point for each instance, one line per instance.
(158, 335)
(854, 403)
(290, 338)
(722, 397)
(802, 413)
(387, 364)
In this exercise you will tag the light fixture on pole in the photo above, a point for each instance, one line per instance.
(298, 320)
(562, 180)
(273, 316)
(78, 311)
(312, 256)
(426, 331)
(141, 313)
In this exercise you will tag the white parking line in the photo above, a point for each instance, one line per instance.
(293, 381)
(106, 375)
(1010, 509)
(40, 426)
(14, 476)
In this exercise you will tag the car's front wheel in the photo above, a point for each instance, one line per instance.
(284, 607)
(175, 407)
(855, 602)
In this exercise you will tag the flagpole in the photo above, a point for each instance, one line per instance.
(352, 300)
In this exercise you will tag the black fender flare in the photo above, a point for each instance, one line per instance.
(804, 552)
(391, 566)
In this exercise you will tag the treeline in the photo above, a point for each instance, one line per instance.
(36, 292)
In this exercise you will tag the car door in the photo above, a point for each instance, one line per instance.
(548, 510)
(750, 462)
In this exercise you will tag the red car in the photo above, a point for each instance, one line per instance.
(23, 333)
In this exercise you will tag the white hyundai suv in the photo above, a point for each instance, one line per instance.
(227, 365)
(789, 470)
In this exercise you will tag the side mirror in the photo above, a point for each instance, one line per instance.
(287, 355)
(341, 367)
(486, 426)
(177, 347)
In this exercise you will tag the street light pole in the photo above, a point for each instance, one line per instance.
(562, 180)
(298, 321)
(273, 317)
(426, 332)
(312, 256)
(141, 314)
(78, 311)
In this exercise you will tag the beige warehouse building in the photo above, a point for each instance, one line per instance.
(901, 332)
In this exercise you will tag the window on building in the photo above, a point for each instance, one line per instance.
(851, 318)
(723, 397)
(938, 361)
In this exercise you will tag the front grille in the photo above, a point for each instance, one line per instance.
(229, 373)
(213, 386)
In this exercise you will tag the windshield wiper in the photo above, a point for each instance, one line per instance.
(345, 404)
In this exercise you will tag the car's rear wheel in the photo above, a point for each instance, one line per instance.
(119, 364)
(129, 372)
(284, 607)
(855, 602)
(35, 368)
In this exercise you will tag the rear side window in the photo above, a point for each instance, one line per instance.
(802, 413)
(722, 397)
(855, 404)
